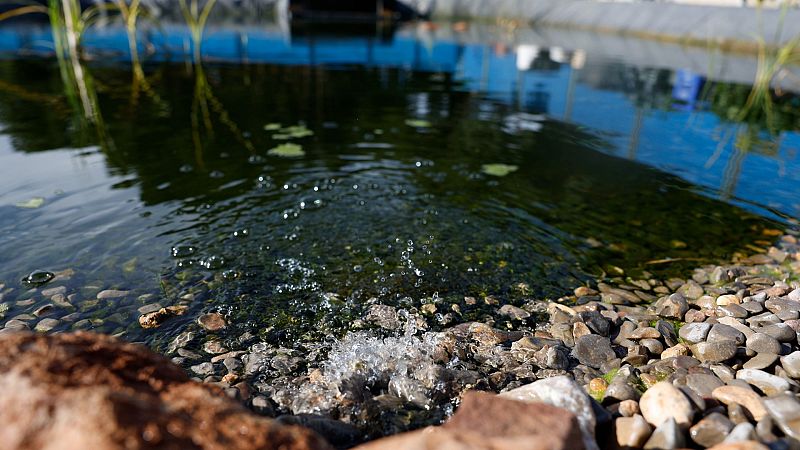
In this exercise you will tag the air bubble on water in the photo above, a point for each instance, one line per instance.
(244, 232)
(358, 268)
(183, 251)
(362, 362)
(256, 159)
(213, 262)
(186, 168)
(230, 275)
(216, 174)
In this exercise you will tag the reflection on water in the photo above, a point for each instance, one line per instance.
(607, 167)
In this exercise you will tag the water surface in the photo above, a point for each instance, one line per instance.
(171, 191)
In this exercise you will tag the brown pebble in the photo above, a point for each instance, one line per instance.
(212, 321)
(628, 408)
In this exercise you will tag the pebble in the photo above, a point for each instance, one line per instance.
(763, 343)
(677, 350)
(694, 332)
(514, 312)
(203, 369)
(722, 332)
(785, 411)
(593, 350)
(663, 401)
(744, 431)
(703, 384)
(714, 351)
(214, 348)
(111, 294)
(212, 321)
(710, 430)
(791, 364)
(748, 399)
(49, 292)
(767, 383)
(668, 435)
(627, 408)
(563, 392)
(46, 325)
(780, 331)
(632, 431)
(761, 361)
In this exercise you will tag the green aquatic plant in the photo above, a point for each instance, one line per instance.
(32, 203)
(196, 19)
(287, 151)
(498, 169)
(418, 123)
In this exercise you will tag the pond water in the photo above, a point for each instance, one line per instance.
(290, 179)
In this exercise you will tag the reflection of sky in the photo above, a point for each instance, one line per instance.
(680, 142)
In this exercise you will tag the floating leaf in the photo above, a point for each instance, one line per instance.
(272, 126)
(33, 203)
(498, 170)
(297, 131)
(418, 123)
(287, 151)
(280, 137)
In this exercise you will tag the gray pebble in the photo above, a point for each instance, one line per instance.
(694, 332)
(763, 343)
(722, 332)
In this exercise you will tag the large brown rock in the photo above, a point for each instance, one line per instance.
(89, 391)
(488, 422)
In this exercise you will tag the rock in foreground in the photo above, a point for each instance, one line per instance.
(88, 391)
(486, 422)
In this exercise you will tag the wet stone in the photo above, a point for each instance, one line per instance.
(212, 321)
(46, 325)
(152, 307)
(43, 310)
(111, 294)
(710, 430)
(383, 316)
(15, 324)
(203, 369)
(49, 292)
(214, 348)
(38, 278)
